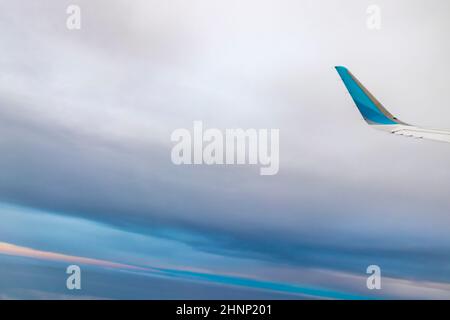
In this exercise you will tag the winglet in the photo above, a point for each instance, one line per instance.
(371, 109)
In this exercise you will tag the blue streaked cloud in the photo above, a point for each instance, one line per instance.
(112, 252)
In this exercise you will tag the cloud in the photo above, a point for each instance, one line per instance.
(392, 287)
(149, 256)
(19, 251)
(14, 250)
(86, 119)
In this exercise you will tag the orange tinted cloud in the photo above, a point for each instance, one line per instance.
(14, 250)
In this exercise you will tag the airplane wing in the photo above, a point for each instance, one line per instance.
(379, 118)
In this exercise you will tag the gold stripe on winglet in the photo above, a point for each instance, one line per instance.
(375, 101)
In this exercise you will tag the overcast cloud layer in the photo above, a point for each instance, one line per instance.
(86, 118)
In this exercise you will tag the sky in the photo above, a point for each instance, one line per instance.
(86, 176)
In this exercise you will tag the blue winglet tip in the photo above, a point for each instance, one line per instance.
(340, 68)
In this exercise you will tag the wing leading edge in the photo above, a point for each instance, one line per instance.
(379, 118)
